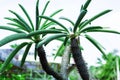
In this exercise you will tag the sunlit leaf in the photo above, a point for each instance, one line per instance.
(11, 29)
(22, 21)
(94, 18)
(68, 20)
(61, 39)
(37, 15)
(13, 37)
(56, 12)
(45, 24)
(45, 7)
(53, 20)
(66, 41)
(60, 50)
(104, 30)
(16, 23)
(82, 24)
(48, 25)
(96, 44)
(48, 39)
(87, 29)
(27, 15)
(25, 54)
(86, 4)
(43, 32)
(81, 16)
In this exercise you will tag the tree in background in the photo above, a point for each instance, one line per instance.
(107, 69)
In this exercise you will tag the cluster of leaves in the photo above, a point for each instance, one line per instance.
(33, 34)
(8, 73)
(82, 28)
(107, 69)
(15, 73)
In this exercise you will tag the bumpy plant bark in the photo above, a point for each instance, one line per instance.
(80, 63)
(45, 65)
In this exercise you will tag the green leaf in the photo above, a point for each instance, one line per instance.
(53, 20)
(61, 39)
(86, 4)
(10, 57)
(46, 40)
(35, 55)
(56, 12)
(96, 44)
(66, 41)
(68, 20)
(82, 24)
(27, 15)
(104, 30)
(47, 25)
(81, 7)
(94, 18)
(53, 14)
(16, 23)
(37, 15)
(25, 54)
(22, 21)
(91, 28)
(60, 50)
(11, 29)
(43, 32)
(81, 48)
(46, 5)
(81, 16)
(12, 38)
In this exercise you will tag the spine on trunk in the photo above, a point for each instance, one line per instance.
(45, 65)
(80, 63)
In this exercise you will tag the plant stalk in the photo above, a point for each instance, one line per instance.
(80, 63)
(65, 63)
(45, 64)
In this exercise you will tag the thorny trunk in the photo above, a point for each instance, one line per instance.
(77, 55)
(45, 65)
(65, 63)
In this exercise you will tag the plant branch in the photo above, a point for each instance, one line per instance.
(80, 63)
(65, 63)
(45, 64)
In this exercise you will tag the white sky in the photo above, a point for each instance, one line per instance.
(71, 10)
